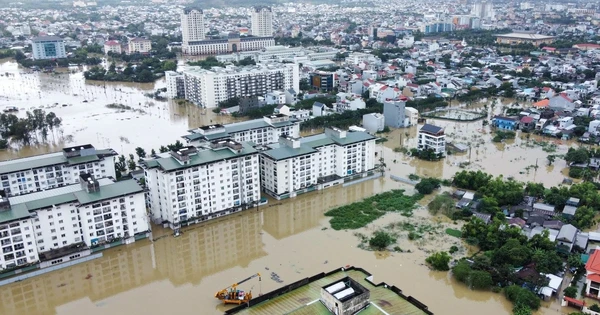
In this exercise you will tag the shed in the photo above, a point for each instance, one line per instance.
(543, 208)
(573, 202)
(569, 211)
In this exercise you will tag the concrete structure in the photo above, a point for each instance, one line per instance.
(592, 275)
(175, 84)
(207, 88)
(524, 38)
(322, 81)
(432, 138)
(232, 44)
(192, 26)
(412, 116)
(51, 224)
(47, 171)
(346, 297)
(112, 46)
(483, 10)
(140, 45)
(373, 122)
(48, 47)
(280, 53)
(394, 113)
(262, 21)
(195, 184)
(299, 165)
(506, 123)
(259, 131)
(566, 238)
(275, 98)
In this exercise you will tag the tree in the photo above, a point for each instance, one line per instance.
(427, 185)
(381, 240)
(163, 149)
(439, 261)
(461, 271)
(522, 296)
(152, 152)
(141, 153)
(535, 189)
(131, 165)
(584, 217)
(577, 156)
(521, 309)
(480, 280)
(571, 292)
(443, 203)
(547, 261)
(169, 66)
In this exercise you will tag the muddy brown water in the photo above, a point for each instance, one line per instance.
(291, 237)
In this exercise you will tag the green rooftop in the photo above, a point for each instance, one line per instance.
(50, 159)
(305, 299)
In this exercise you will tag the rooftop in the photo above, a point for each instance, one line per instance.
(431, 129)
(304, 298)
(593, 263)
(46, 38)
(238, 127)
(50, 159)
(525, 36)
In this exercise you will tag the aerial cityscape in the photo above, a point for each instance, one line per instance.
(314, 157)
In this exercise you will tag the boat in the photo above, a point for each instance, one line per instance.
(11, 109)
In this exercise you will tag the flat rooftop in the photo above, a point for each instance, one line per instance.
(242, 126)
(305, 299)
(51, 159)
(525, 36)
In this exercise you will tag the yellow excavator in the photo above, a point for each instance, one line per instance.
(231, 295)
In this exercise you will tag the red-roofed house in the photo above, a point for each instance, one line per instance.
(586, 46)
(528, 123)
(592, 275)
(112, 46)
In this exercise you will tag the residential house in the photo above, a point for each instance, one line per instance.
(319, 109)
(561, 103)
(566, 238)
(412, 116)
(282, 109)
(592, 275)
(373, 122)
(291, 96)
(275, 98)
(394, 113)
(433, 138)
(544, 209)
(112, 46)
(527, 123)
(507, 123)
(569, 211)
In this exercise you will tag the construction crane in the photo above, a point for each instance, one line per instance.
(231, 295)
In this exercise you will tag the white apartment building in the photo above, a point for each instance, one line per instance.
(280, 53)
(48, 47)
(140, 45)
(432, 138)
(207, 88)
(200, 183)
(259, 131)
(192, 26)
(299, 165)
(60, 224)
(262, 21)
(47, 171)
(175, 84)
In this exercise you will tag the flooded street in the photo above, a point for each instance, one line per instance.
(291, 238)
(86, 119)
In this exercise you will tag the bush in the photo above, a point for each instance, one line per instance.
(453, 232)
(439, 261)
(453, 249)
(521, 296)
(443, 203)
(575, 172)
(461, 271)
(480, 280)
(595, 308)
(427, 185)
(571, 292)
(381, 240)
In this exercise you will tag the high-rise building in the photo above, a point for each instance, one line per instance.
(483, 10)
(192, 26)
(262, 21)
(48, 47)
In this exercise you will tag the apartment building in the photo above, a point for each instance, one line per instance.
(61, 224)
(48, 47)
(298, 165)
(200, 183)
(192, 25)
(140, 45)
(432, 138)
(207, 88)
(262, 21)
(175, 84)
(258, 131)
(47, 171)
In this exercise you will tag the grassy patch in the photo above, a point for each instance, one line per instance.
(359, 214)
(454, 232)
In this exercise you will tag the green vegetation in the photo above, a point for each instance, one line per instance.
(341, 120)
(381, 240)
(149, 70)
(207, 63)
(570, 292)
(427, 154)
(521, 296)
(427, 185)
(34, 128)
(361, 213)
(439, 261)
(503, 135)
(428, 104)
(80, 57)
(454, 232)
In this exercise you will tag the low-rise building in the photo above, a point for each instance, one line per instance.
(259, 131)
(194, 184)
(48, 47)
(394, 113)
(412, 116)
(140, 45)
(112, 46)
(373, 122)
(432, 138)
(298, 165)
(47, 171)
(524, 38)
(592, 275)
(60, 224)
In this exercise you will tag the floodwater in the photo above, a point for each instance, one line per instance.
(86, 119)
(291, 238)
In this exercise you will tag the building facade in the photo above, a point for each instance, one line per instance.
(56, 225)
(394, 113)
(322, 81)
(175, 84)
(432, 138)
(48, 47)
(262, 21)
(373, 122)
(192, 26)
(207, 88)
(140, 45)
(200, 183)
(298, 165)
(232, 44)
(112, 46)
(47, 171)
(259, 131)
